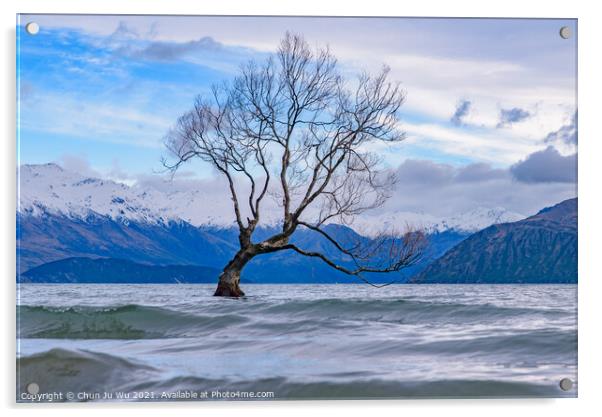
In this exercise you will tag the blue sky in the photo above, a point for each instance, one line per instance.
(105, 89)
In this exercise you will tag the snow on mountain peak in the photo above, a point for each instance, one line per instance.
(468, 222)
(477, 219)
(50, 188)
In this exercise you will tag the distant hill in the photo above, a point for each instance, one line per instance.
(50, 242)
(117, 271)
(53, 236)
(539, 249)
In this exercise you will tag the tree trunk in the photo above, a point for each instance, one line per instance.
(229, 279)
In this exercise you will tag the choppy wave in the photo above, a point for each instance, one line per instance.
(61, 370)
(402, 310)
(145, 322)
(428, 341)
(123, 322)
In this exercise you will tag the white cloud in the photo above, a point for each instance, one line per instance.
(112, 122)
(436, 67)
(484, 145)
(443, 190)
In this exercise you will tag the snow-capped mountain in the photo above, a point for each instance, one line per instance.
(64, 215)
(469, 222)
(477, 219)
(49, 188)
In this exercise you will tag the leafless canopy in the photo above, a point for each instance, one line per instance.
(293, 128)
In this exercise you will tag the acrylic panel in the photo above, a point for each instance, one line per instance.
(276, 208)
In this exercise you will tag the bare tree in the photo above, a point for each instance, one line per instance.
(293, 128)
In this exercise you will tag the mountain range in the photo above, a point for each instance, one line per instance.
(50, 189)
(539, 249)
(64, 217)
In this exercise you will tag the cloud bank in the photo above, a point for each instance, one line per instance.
(442, 190)
(546, 166)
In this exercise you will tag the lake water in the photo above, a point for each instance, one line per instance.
(156, 342)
